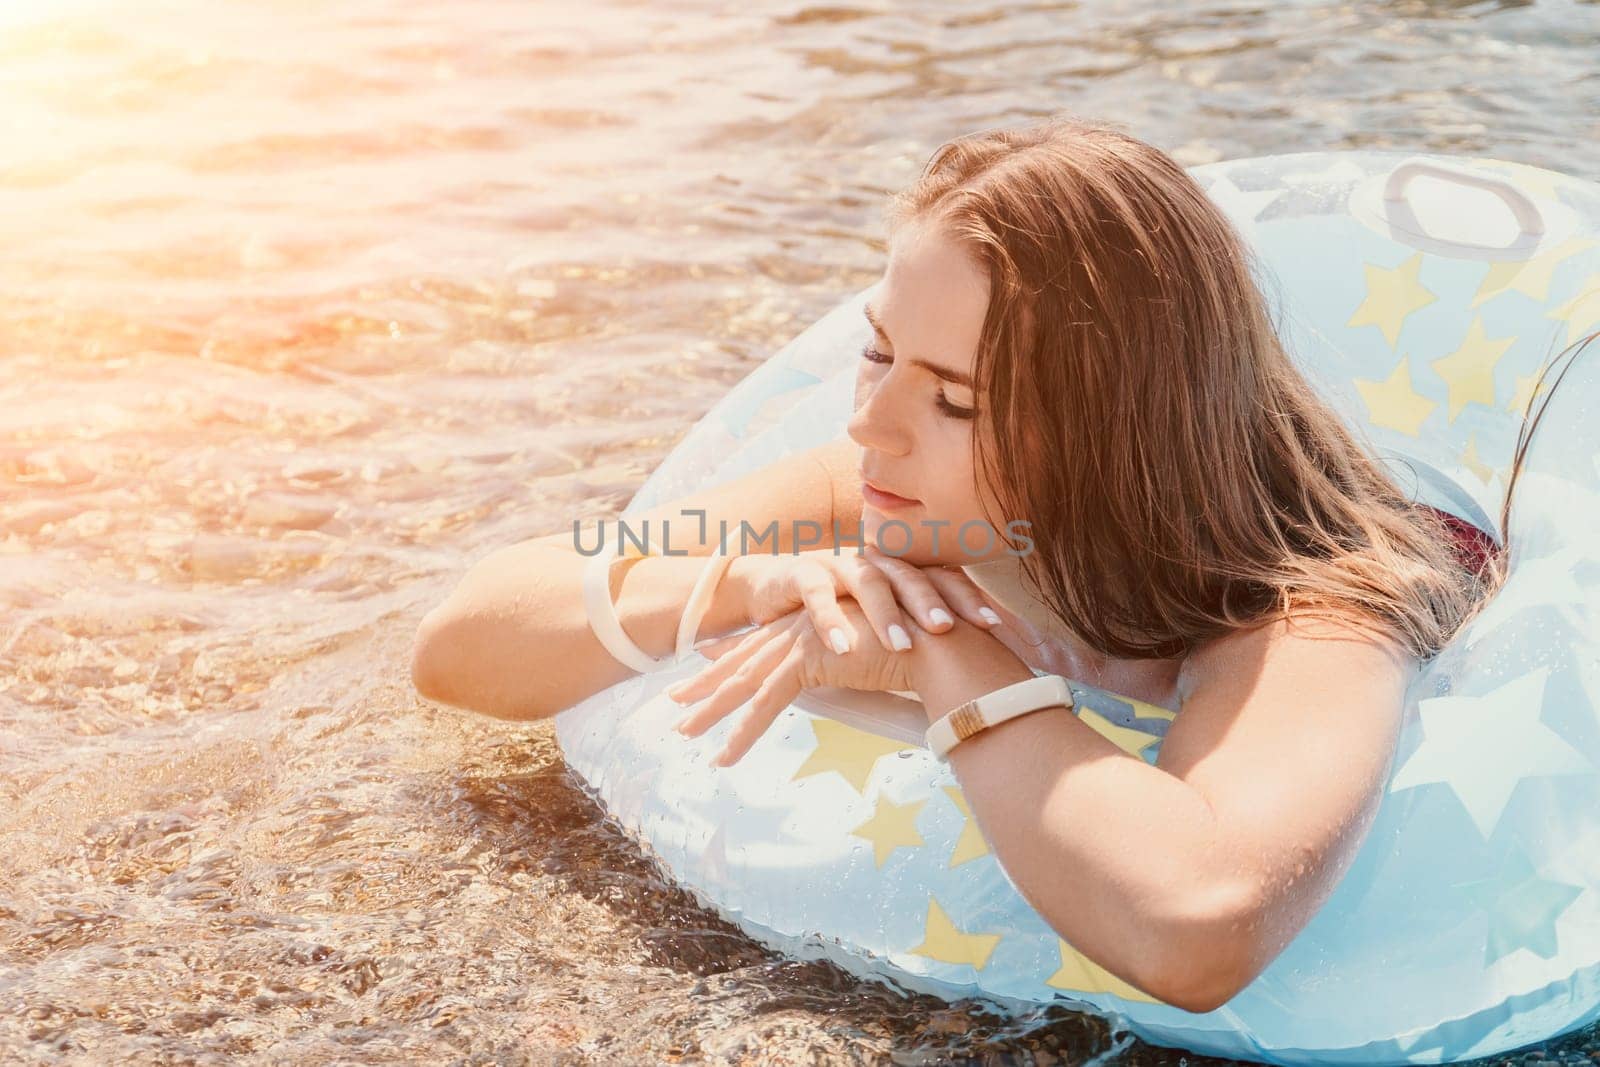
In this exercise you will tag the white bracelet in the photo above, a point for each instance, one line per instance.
(994, 708)
(700, 599)
(603, 619)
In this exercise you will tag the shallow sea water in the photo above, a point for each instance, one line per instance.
(305, 308)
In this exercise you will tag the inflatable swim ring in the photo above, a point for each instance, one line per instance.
(1421, 295)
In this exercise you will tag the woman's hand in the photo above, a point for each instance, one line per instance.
(884, 587)
(768, 666)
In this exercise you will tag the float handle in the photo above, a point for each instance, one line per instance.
(1525, 210)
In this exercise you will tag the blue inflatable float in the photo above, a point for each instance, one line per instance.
(1421, 295)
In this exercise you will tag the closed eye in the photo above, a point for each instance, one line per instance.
(955, 411)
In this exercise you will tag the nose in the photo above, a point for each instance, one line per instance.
(879, 421)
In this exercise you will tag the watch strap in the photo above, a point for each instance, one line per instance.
(995, 707)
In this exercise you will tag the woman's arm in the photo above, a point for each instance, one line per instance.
(1188, 877)
(512, 640)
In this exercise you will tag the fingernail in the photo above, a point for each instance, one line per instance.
(939, 615)
(840, 644)
(989, 616)
(898, 637)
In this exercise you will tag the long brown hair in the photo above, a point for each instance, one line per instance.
(1182, 477)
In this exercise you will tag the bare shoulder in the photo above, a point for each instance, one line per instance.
(1304, 640)
(1280, 682)
(841, 459)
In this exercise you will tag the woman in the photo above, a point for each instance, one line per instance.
(1067, 334)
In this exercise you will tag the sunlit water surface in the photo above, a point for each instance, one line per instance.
(305, 307)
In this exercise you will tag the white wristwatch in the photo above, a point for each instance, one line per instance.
(994, 708)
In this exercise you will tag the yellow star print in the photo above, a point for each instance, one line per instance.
(1539, 182)
(892, 826)
(1079, 974)
(1582, 312)
(943, 942)
(1143, 710)
(1530, 277)
(1474, 463)
(970, 845)
(1130, 741)
(847, 750)
(1468, 372)
(1392, 294)
(1525, 392)
(1394, 403)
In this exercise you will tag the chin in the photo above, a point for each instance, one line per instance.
(920, 551)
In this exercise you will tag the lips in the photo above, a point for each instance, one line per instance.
(886, 491)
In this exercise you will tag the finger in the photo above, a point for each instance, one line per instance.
(964, 595)
(714, 647)
(737, 687)
(734, 691)
(815, 584)
(915, 589)
(739, 648)
(875, 593)
(775, 694)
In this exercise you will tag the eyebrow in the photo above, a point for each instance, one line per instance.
(955, 376)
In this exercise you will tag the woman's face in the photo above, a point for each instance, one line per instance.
(915, 408)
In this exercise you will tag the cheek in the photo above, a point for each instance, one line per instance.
(953, 477)
(953, 494)
(967, 497)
